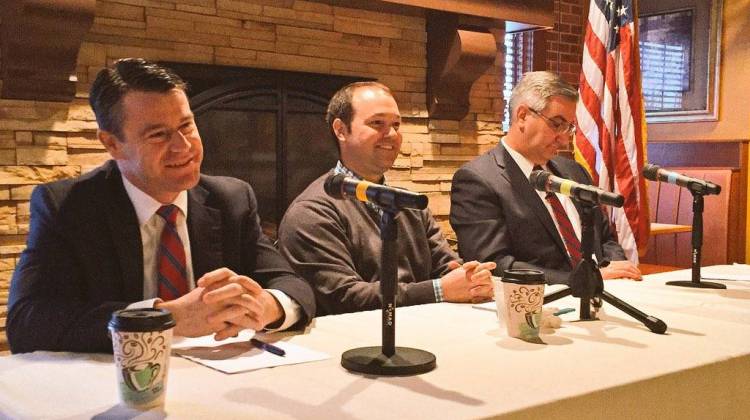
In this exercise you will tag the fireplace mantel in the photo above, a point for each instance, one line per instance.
(41, 40)
(517, 14)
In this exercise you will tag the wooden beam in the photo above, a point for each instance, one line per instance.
(457, 56)
(40, 43)
(530, 12)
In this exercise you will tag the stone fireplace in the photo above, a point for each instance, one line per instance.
(266, 127)
(449, 93)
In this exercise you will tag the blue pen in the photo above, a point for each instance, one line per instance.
(267, 347)
(563, 311)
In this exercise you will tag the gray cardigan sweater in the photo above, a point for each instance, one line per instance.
(335, 245)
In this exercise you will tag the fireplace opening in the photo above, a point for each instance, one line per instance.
(265, 127)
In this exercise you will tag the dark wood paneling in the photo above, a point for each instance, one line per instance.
(696, 154)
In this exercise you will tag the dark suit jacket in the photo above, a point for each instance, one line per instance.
(84, 257)
(498, 216)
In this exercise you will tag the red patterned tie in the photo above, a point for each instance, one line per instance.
(566, 229)
(572, 244)
(171, 257)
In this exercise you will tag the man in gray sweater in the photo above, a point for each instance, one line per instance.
(335, 244)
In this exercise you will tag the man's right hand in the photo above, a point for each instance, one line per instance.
(471, 282)
(195, 318)
(224, 285)
(621, 270)
(223, 304)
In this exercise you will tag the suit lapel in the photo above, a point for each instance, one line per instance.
(518, 181)
(126, 234)
(204, 228)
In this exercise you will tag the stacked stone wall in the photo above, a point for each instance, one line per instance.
(45, 141)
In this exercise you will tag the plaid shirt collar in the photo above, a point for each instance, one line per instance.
(340, 169)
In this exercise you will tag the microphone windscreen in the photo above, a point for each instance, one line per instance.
(650, 171)
(614, 199)
(333, 185)
(418, 202)
(538, 179)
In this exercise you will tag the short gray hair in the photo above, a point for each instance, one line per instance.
(536, 88)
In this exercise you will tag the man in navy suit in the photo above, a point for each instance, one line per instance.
(496, 213)
(97, 243)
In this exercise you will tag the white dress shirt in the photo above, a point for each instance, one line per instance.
(527, 167)
(151, 225)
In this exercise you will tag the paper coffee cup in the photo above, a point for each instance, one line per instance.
(523, 293)
(141, 343)
(499, 295)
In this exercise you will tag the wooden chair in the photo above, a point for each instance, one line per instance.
(671, 212)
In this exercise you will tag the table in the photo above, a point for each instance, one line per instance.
(613, 368)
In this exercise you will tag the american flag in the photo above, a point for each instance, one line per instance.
(611, 137)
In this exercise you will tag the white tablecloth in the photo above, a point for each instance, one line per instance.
(614, 368)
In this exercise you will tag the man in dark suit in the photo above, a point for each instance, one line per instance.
(147, 230)
(497, 214)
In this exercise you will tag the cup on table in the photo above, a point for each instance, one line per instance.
(523, 296)
(499, 295)
(141, 343)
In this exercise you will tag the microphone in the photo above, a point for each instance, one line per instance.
(656, 173)
(341, 186)
(545, 181)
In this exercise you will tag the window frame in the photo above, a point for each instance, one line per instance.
(708, 13)
(519, 59)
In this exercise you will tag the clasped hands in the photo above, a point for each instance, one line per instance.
(621, 270)
(223, 303)
(468, 282)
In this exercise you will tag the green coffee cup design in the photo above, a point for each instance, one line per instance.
(140, 377)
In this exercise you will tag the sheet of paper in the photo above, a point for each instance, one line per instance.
(487, 306)
(726, 272)
(236, 354)
(179, 343)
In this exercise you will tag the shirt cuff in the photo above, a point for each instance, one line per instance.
(144, 304)
(292, 310)
(438, 287)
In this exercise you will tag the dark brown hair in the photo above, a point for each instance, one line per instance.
(340, 105)
(127, 74)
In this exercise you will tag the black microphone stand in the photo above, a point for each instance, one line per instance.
(697, 245)
(585, 282)
(388, 359)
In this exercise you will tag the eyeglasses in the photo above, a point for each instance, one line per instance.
(560, 127)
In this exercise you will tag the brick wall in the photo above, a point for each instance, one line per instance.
(565, 40)
(564, 43)
(43, 141)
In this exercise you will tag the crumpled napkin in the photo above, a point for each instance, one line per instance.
(549, 320)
